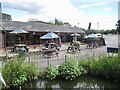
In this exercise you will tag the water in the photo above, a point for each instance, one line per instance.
(83, 82)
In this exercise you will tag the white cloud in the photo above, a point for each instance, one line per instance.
(94, 0)
(61, 9)
(47, 10)
(107, 9)
(105, 22)
(91, 5)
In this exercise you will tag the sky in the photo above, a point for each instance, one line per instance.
(103, 14)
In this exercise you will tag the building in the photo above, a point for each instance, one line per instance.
(6, 17)
(37, 29)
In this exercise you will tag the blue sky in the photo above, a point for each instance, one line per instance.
(73, 11)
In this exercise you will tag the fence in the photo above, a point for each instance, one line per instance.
(54, 60)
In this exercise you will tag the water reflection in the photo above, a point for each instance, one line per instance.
(86, 82)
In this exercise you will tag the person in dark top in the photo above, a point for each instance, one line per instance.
(46, 44)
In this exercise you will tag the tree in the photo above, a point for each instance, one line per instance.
(118, 30)
(118, 26)
(56, 22)
(67, 24)
(51, 23)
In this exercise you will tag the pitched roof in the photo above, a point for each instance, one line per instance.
(39, 27)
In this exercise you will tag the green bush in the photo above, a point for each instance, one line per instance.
(76, 43)
(15, 72)
(85, 64)
(51, 73)
(32, 71)
(108, 67)
(69, 70)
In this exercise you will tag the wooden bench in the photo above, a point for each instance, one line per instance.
(20, 47)
(49, 52)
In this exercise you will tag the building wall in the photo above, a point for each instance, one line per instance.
(1, 37)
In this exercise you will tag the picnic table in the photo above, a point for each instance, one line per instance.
(20, 47)
(47, 51)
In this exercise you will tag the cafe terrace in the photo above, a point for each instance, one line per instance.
(36, 29)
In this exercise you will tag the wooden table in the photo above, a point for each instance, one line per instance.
(47, 51)
(53, 45)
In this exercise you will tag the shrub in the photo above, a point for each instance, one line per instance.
(108, 67)
(85, 64)
(51, 73)
(32, 71)
(15, 72)
(76, 43)
(69, 70)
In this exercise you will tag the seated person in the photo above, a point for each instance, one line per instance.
(70, 47)
(46, 44)
(22, 49)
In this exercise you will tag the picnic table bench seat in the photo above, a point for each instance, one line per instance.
(47, 51)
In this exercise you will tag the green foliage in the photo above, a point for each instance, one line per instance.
(21, 56)
(108, 67)
(118, 26)
(69, 70)
(76, 43)
(32, 71)
(51, 23)
(112, 31)
(15, 72)
(57, 22)
(67, 24)
(51, 73)
(85, 64)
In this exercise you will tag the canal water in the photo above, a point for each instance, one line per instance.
(82, 82)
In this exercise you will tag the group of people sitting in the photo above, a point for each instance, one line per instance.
(50, 48)
(51, 45)
(92, 45)
(73, 47)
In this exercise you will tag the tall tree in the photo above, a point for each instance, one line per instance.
(56, 22)
(118, 30)
(118, 26)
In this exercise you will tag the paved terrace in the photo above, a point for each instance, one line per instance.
(111, 40)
